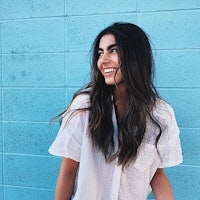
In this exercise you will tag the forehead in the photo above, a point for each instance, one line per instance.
(107, 40)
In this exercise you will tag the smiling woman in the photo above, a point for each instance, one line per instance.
(117, 131)
(109, 61)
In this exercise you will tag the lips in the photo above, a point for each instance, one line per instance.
(109, 70)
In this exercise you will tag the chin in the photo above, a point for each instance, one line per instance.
(116, 84)
(110, 83)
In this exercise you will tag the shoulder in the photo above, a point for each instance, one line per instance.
(164, 113)
(76, 113)
(80, 100)
(163, 110)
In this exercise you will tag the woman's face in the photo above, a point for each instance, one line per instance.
(108, 61)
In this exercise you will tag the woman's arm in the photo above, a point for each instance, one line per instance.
(66, 179)
(161, 186)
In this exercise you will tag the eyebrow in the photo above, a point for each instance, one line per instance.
(108, 48)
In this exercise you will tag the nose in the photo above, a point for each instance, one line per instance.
(105, 59)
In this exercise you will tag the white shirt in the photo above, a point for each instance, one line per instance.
(98, 180)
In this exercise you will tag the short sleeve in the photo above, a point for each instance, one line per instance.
(169, 145)
(69, 138)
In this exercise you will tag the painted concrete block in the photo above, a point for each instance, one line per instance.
(190, 139)
(186, 105)
(27, 193)
(1, 174)
(1, 104)
(70, 92)
(99, 7)
(29, 36)
(0, 50)
(34, 70)
(1, 193)
(172, 30)
(157, 5)
(1, 137)
(185, 181)
(27, 107)
(0, 61)
(177, 68)
(31, 171)
(82, 31)
(151, 196)
(78, 68)
(34, 8)
(0, 11)
(32, 104)
(30, 138)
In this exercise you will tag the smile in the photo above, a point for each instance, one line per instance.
(109, 70)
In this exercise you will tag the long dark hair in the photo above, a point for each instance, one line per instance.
(137, 69)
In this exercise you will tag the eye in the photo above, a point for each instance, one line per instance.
(100, 53)
(114, 50)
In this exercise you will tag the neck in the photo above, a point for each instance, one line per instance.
(121, 101)
(120, 93)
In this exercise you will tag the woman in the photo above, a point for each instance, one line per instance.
(117, 135)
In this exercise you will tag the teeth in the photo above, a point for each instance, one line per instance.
(109, 70)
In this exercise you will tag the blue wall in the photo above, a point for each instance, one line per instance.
(44, 58)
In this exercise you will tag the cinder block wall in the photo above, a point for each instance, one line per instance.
(44, 46)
